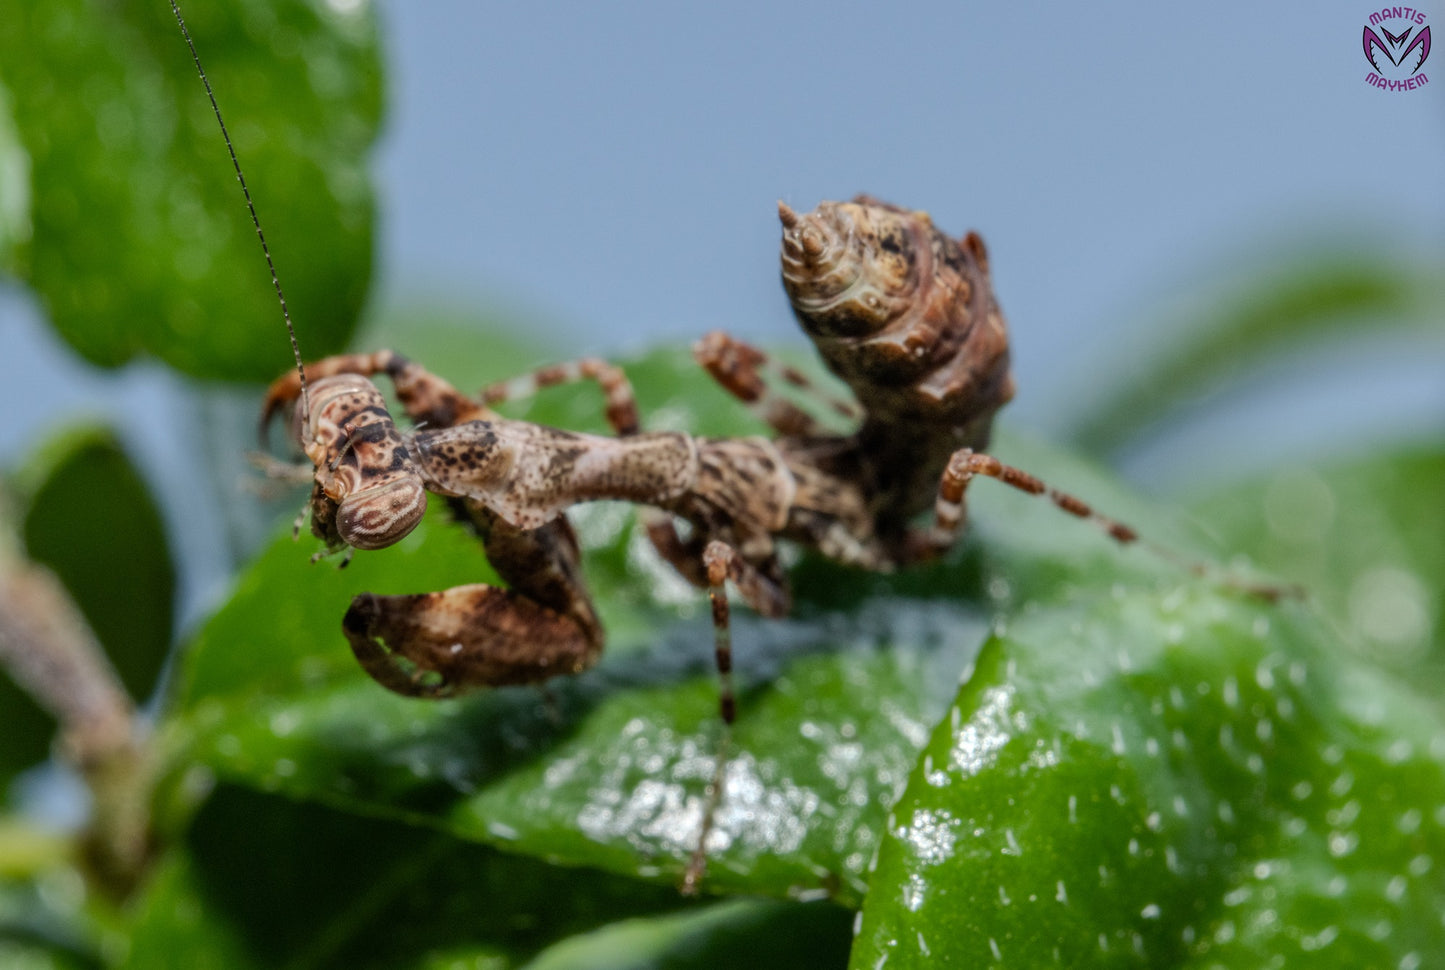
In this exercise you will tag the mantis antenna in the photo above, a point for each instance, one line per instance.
(251, 207)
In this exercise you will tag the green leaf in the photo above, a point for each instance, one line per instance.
(27, 848)
(90, 519)
(140, 241)
(41, 926)
(1187, 782)
(272, 698)
(14, 187)
(1323, 296)
(264, 882)
(1362, 536)
(26, 734)
(750, 933)
(609, 769)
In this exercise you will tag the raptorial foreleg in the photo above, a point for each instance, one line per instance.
(467, 637)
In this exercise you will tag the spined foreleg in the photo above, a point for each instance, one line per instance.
(463, 638)
(468, 637)
(438, 644)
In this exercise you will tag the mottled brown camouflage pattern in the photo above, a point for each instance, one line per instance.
(904, 314)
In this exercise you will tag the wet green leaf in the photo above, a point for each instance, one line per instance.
(139, 241)
(612, 770)
(90, 519)
(1363, 537)
(1192, 781)
(264, 882)
(609, 769)
(1317, 297)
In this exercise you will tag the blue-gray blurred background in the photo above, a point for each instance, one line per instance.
(607, 173)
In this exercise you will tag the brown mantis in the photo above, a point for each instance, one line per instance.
(903, 313)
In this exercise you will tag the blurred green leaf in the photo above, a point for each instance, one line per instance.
(41, 926)
(90, 519)
(25, 739)
(753, 933)
(27, 848)
(141, 241)
(1364, 537)
(14, 187)
(1294, 306)
(265, 882)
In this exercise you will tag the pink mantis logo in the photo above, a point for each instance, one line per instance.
(1398, 57)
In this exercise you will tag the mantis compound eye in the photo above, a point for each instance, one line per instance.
(376, 517)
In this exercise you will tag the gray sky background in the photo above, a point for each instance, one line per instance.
(611, 170)
(614, 167)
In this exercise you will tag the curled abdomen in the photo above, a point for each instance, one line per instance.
(901, 312)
